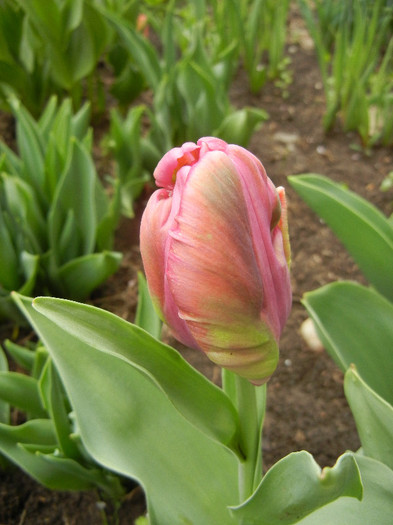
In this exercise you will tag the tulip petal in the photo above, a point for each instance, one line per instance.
(261, 199)
(213, 271)
(156, 221)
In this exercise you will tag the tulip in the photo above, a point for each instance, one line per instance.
(215, 248)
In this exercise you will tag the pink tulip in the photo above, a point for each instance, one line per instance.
(215, 247)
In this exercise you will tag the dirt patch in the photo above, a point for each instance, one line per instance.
(306, 405)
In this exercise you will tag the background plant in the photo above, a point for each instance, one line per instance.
(57, 221)
(189, 81)
(38, 430)
(354, 48)
(262, 33)
(354, 322)
(63, 48)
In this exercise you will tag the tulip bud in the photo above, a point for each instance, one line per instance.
(215, 248)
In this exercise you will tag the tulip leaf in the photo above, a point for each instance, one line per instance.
(38, 432)
(146, 316)
(22, 392)
(375, 507)
(355, 324)
(140, 49)
(238, 126)
(373, 417)
(30, 146)
(80, 276)
(79, 173)
(24, 357)
(295, 486)
(32, 447)
(199, 400)
(55, 401)
(364, 230)
(128, 424)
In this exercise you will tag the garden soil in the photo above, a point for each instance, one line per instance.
(306, 404)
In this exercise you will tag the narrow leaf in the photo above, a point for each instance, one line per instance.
(22, 392)
(146, 316)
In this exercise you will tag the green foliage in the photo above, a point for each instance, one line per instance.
(364, 230)
(189, 85)
(189, 79)
(56, 47)
(282, 499)
(47, 445)
(262, 31)
(354, 48)
(355, 324)
(137, 385)
(56, 221)
(339, 311)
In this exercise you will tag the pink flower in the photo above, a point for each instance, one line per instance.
(215, 247)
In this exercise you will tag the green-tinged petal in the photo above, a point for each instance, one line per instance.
(213, 272)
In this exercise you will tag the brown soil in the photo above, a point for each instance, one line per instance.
(306, 405)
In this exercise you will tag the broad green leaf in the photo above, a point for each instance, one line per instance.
(200, 401)
(146, 316)
(21, 391)
(296, 486)
(375, 507)
(373, 417)
(364, 230)
(128, 424)
(356, 326)
(79, 277)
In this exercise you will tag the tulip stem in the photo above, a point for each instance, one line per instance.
(250, 401)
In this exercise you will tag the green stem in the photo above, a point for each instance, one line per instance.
(250, 402)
